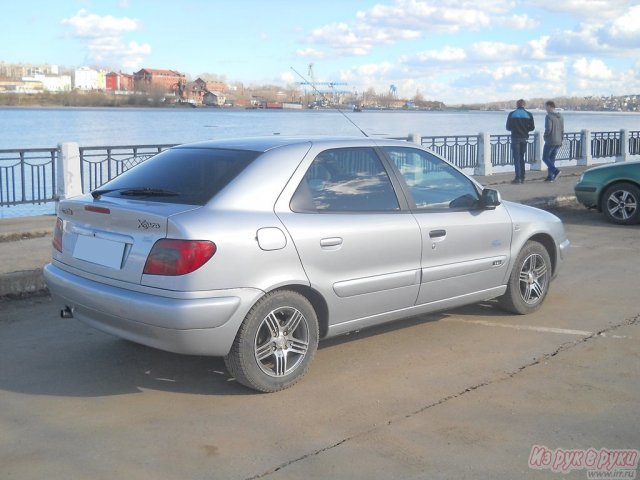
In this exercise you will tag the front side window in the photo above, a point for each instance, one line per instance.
(345, 180)
(433, 183)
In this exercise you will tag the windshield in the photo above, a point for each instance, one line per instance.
(191, 176)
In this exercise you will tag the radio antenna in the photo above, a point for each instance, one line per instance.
(307, 82)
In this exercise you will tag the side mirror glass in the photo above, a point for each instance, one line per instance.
(490, 199)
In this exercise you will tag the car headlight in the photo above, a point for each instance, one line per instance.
(581, 178)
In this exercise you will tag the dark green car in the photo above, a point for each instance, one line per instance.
(612, 189)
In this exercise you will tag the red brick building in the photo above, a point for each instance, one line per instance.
(167, 80)
(119, 82)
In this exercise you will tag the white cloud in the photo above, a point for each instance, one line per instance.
(444, 55)
(517, 21)
(90, 25)
(385, 24)
(494, 51)
(585, 9)
(624, 31)
(104, 39)
(311, 53)
(537, 49)
(287, 77)
(592, 69)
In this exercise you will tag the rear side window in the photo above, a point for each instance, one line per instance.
(190, 176)
(345, 180)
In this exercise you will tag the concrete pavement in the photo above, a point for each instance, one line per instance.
(25, 243)
(463, 394)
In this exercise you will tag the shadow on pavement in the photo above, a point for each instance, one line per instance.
(91, 364)
(578, 215)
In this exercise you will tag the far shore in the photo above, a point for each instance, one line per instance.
(452, 109)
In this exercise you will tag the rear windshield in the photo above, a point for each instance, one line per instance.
(190, 176)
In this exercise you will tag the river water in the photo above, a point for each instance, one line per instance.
(46, 127)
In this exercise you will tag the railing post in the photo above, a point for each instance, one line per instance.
(538, 145)
(624, 146)
(585, 151)
(415, 138)
(484, 166)
(68, 181)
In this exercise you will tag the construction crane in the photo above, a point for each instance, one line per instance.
(331, 90)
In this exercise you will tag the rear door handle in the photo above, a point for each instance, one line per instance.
(330, 242)
(437, 233)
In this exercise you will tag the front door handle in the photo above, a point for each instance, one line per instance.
(330, 242)
(437, 233)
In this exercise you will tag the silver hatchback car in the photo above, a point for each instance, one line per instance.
(254, 249)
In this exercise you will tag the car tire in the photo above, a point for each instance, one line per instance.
(529, 280)
(276, 342)
(621, 203)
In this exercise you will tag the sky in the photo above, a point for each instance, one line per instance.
(457, 51)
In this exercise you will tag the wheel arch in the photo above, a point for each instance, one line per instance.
(610, 184)
(549, 244)
(317, 301)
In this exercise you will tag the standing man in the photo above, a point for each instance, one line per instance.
(519, 123)
(553, 135)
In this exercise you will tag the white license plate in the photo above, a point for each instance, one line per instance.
(99, 251)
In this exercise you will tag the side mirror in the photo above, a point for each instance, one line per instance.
(490, 199)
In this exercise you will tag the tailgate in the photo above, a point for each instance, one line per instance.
(113, 237)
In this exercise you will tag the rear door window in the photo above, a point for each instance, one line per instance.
(191, 176)
(346, 180)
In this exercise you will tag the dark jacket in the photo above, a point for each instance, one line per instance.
(553, 129)
(520, 123)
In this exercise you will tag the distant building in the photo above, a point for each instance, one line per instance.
(51, 83)
(149, 78)
(19, 70)
(119, 82)
(216, 86)
(101, 80)
(214, 99)
(85, 78)
(20, 86)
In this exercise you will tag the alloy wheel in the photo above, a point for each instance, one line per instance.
(534, 279)
(622, 204)
(282, 341)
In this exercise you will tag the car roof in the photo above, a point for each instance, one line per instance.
(264, 144)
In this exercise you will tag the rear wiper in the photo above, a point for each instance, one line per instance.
(136, 192)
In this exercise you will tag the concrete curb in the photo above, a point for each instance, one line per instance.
(32, 281)
(553, 202)
(20, 283)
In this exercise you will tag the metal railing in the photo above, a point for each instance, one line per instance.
(461, 150)
(571, 147)
(501, 150)
(98, 165)
(634, 143)
(605, 144)
(27, 175)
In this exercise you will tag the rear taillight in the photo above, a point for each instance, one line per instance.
(57, 235)
(178, 257)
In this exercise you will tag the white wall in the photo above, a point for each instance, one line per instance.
(85, 79)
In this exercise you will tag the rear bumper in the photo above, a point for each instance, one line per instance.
(195, 326)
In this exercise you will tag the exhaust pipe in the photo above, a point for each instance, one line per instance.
(66, 312)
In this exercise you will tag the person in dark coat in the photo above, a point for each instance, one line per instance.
(553, 136)
(520, 123)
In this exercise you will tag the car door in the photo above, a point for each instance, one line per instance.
(358, 242)
(466, 249)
